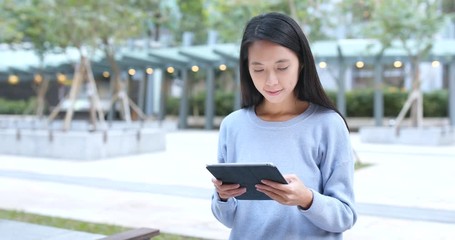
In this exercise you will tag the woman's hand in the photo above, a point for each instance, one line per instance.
(226, 191)
(295, 193)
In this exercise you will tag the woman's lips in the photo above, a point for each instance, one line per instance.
(274, 92)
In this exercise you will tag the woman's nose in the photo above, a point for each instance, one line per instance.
(271, 79)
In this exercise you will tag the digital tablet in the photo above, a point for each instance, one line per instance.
(247, 175)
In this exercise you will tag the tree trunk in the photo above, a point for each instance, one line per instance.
(417, 106)
(41, 97)
(414, 102)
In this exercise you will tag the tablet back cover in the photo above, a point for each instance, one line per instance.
(247, 175)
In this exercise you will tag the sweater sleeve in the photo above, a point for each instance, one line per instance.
(333, 207)
(223, 211)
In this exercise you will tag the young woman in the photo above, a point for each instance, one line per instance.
(286, 119)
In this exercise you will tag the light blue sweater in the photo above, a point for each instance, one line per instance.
(316, 147)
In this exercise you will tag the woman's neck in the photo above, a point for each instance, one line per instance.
(280, 112)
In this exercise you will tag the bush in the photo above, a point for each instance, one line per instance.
(15, 107)
(435, 104)
(224, 104)
(359, 103)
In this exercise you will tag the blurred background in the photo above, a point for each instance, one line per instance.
(179, 58)
(144, 85)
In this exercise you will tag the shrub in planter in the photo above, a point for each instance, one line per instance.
(435, 104)
(14, 106)
(394, 100)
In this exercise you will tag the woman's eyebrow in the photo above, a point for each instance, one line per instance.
(279, 61)
(282, 61)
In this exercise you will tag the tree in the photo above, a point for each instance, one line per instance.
(88, 25)
(407, 24)
(229, 17)
(28, 22)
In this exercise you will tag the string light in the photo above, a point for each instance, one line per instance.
(61, 78)
(360, 64)
(322, 64)
(13, 79)
(194, 68)
(170, 70)
(435, 64)
(223, 67)
(37, 78)
(397, 64)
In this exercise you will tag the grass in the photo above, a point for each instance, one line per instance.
(360, 165)
(98, 228)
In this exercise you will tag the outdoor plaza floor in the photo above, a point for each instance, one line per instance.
(406, 193)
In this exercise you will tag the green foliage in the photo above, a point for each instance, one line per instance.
(229, 17)
(16, 106)
(394, 100)
(9, 31)
(359, 103)
(172, 106)
(224, 104)
(194, 19)
(435, 104)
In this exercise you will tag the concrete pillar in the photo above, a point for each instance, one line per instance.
(378, 107)
(149, 95)
(183, 110)
(210, 98)
(452, 94)
(163, 96)
(341, 94)
(141, 93)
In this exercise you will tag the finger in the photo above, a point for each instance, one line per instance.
(217, 182)
(274, 184)
(227, 187)
(279, 195)
(271, 189)
(232, 193)
(272, 195)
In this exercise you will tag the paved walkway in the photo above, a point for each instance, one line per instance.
(407, 193)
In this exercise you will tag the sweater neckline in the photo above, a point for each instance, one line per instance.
(280, 124)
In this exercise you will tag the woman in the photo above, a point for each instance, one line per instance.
(288, 120)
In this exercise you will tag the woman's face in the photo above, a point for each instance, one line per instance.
(274, 70)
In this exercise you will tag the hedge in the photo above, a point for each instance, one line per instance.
(359, 103)
(16, 106)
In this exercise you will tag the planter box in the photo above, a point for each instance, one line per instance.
(81, 145)
(433, 136)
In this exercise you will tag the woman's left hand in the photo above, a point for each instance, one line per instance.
(295, 193)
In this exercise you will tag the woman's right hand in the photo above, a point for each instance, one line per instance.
(226, 191)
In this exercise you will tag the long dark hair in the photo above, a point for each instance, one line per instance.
(283, 30)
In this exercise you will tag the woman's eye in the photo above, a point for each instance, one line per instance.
(283, 68)
(258, 70)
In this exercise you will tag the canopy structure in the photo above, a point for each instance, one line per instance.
(342, 53)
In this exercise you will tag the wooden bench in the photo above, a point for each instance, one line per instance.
(135, 234)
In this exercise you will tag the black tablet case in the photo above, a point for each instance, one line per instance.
(247, 175)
